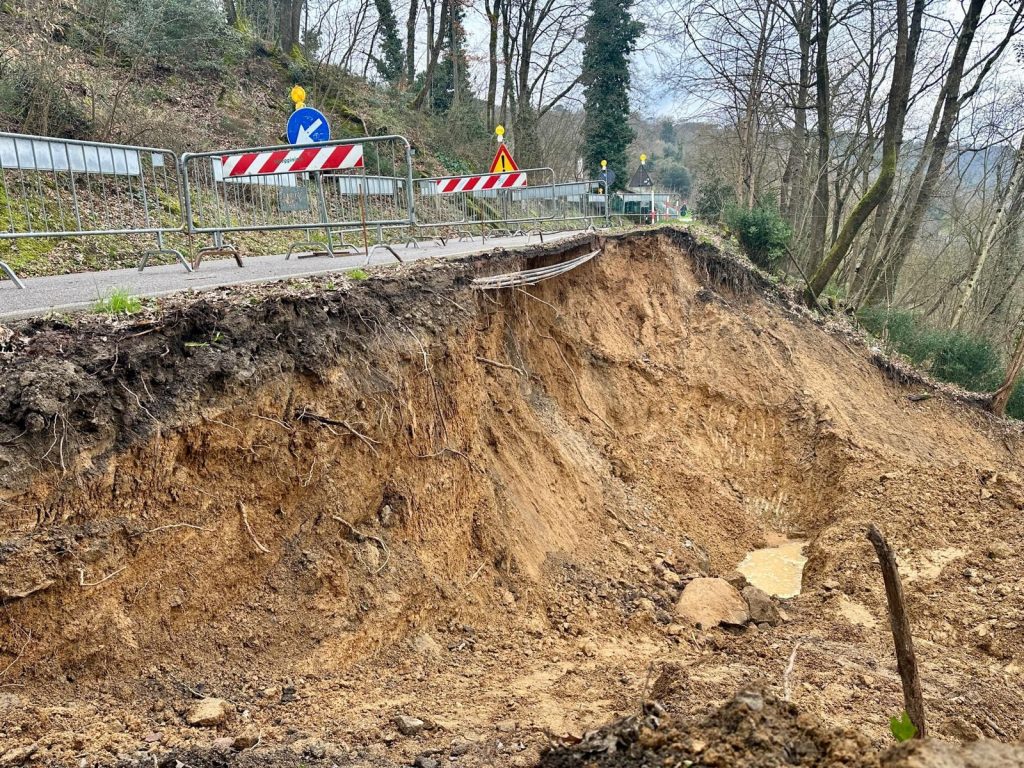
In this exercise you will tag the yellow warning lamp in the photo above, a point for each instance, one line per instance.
(643, 159)
(298, 95)
(500, 133)
(604, 165)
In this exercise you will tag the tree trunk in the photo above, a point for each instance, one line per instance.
(907, 38)
(410, 42)
(791, 198)
(290, 22)
(950, 112)
(435, 53)
(866, 281)
(1001, 397)
(493, 9)
(746, 191)
(994, 228)
(820, 202)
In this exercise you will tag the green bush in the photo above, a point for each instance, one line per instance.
(174, 34)
(713, 197)
(968, 361)
(761, 231)
(676, 177)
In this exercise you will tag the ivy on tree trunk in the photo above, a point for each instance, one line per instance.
(609, 39)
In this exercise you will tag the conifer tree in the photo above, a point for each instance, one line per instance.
(610, 37)
(391, 64)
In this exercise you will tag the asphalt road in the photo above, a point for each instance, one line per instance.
(67, 293)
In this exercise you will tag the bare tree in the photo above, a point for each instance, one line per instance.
(907, 38)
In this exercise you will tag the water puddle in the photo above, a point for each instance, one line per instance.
(776, 570)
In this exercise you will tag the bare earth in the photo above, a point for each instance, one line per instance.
(334, 506)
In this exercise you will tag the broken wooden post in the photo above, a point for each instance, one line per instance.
(905, 659)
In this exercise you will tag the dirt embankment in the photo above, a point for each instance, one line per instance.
(334, 505)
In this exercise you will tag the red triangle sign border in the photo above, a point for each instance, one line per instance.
(496, 164)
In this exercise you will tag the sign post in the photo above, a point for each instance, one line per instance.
(607, 178)
(643, 163)
(309, 126)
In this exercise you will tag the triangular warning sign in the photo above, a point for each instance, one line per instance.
(503, 162)
(641, 178)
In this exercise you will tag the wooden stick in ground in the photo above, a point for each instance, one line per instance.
(906, 662)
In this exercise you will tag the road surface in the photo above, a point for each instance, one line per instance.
(67, 293)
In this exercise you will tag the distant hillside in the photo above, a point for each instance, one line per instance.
(188, 82)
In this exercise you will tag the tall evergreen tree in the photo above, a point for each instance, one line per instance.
(391, 64)
(609, 39)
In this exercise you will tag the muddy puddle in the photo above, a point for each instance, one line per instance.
(777, 570)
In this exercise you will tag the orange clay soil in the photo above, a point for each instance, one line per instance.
(334, 504)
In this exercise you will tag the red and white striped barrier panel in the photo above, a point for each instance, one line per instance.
(293, 160)
(476, 183)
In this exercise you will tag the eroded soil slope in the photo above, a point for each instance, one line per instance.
(332, 504)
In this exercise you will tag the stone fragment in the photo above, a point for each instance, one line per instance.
(707, 602)
(409, 726)
(208, 712)
(762, 609)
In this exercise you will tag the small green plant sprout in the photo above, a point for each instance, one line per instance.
(358, 274)
(119, 302)
(902, 728)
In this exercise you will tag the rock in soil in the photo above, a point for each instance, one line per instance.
(736, 578)
(245, 740)
(762, 609)
(708, 602)
(409, 726)
(209, 712)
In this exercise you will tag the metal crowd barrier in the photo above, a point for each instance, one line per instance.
(65, 188)
(325, 186)
(636, 206)
(486, 200)
(583, 201)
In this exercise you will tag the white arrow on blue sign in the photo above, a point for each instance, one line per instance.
(308, 126)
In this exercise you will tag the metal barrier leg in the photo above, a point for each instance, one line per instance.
(10, 274)
(170, 252)
(220, 248)
(161, 249)
(383, 247)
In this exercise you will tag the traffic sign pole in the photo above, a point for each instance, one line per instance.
(607, 192)
(643, 163)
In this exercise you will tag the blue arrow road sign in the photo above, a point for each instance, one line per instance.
(308, 126)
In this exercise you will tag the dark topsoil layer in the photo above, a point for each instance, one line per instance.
(758, 731)
(91, 384)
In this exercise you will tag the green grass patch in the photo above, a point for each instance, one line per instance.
(358, 274)
(120, 303)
